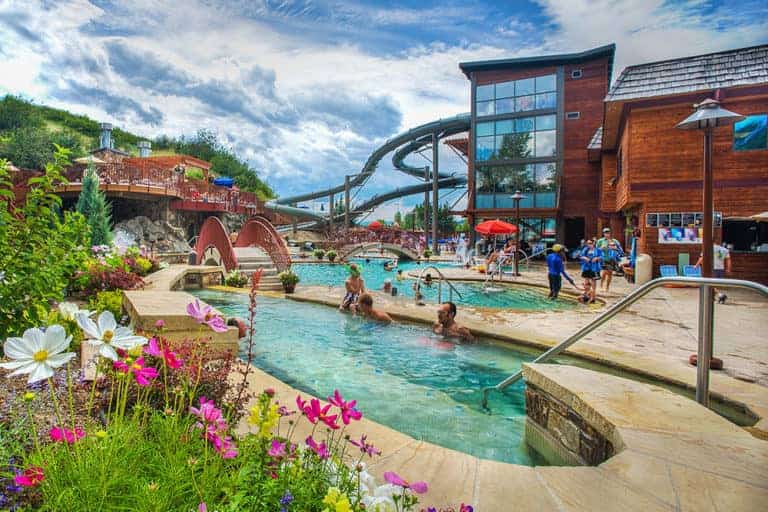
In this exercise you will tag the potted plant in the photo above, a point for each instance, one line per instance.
(288, 278)
(427, 253)
(319, 253)
(331, 255)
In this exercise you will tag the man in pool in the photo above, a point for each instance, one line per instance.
(446, 323)
(365, 308)
(354, 286)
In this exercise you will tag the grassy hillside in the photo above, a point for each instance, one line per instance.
(28, 133)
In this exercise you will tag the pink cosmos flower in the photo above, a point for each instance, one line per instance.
(225, 446)
(143, 374)
(466, 508)
(63, 435)
(202, 507)
(320, 449)
(348, 411)
(208, 412)
(277, 450)
(365, 447)
(160, 324)
(206, 315)
(314, 413)
(171, 359)
(301, 404)
(31, 477)
(395, 479)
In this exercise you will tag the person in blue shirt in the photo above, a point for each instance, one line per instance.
(611, 256)
(556, 270)
(591, 263)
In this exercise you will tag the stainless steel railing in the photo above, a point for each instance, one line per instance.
(706, 326)
(441, 278)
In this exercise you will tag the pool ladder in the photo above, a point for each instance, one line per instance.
(441, 278)
(705, 335)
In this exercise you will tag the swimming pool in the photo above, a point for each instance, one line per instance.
(402, 375)
(522, 298)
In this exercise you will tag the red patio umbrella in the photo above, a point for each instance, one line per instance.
(495, 227)
(375, 226)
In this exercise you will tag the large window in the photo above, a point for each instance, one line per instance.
(494, 184)
(751, 133)
(522, 137)
(516, 96)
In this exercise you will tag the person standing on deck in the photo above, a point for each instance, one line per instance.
(556, 270)
(720, 266)
(591, 263)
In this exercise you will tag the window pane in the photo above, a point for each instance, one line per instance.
(751, 133)
(545, 143)
(505, 106)
(484, 148)
(514, 145)
(545, 83)
(503, 127)
(505, 90)
(484, 108)
(545, 122)
(524, 124)
(484, 129)
(547, 100)
(525, 103)
(545, 185)
(484, 92)
(523, 87)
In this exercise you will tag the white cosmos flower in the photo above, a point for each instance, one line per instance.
(107, 335)
(37, 353)
(69, 310)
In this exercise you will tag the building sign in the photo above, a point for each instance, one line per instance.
(680, 235)
(680, 227)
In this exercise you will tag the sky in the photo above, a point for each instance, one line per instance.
(305, 90)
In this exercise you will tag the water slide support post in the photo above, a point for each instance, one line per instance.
(435, 148)
(346, 202)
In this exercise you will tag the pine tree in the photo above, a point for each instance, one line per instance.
(92, 203)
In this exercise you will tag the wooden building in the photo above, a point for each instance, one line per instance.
(532, 120)
(651, 172)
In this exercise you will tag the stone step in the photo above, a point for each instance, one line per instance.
(265, 259)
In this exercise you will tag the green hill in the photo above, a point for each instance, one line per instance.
(28, 133)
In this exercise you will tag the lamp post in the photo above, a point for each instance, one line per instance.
(517, 197)
(707, 116)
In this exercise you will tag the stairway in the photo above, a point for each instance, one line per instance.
(250, 259)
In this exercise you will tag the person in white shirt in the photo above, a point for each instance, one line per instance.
(721, 265)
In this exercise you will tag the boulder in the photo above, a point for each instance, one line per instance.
(143, 231)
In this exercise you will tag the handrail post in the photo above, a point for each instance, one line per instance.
(704, 356)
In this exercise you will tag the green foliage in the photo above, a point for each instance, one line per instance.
(236, 279)
(331, 255)
(463, 226)
(40, 249)
(398, 218)
(193, 173)
(427, 253)
(27, 147)
(17, 113)
(288, 277)
(206, 146)
(319, 253)
(107, 301)
(93, 204)
(415, 219)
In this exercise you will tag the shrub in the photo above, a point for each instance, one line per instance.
(331, 255)
(427, 253)
(40, 248)
(92, 203)
(102, 277)
(111, 301)
(236, 279)
(288, 277)
(319, 253)
(139, 265)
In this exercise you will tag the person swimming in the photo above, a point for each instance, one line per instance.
(400, 276)
(365, 308)
(446, 323)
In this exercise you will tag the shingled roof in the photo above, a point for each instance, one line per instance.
(732, 68)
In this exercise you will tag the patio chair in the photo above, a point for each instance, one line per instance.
(668, 270)
(691, 271)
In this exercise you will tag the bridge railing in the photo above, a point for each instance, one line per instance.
(406, 239)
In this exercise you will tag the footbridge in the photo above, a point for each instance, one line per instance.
(350, 242)
(408, 142)
(258, 245)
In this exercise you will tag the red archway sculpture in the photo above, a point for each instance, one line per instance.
(260, 232)
(214, 234)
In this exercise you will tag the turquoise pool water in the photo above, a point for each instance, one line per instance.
(508, 297)
(402, 375)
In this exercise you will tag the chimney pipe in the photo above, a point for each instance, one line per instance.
(105, 142)
(145, 148)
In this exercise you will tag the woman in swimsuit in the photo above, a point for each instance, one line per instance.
(354, 285)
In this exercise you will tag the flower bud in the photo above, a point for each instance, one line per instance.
(101, 434)
(29, 396)
(270, 392)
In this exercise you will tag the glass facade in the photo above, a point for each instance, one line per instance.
(534, 229)
(494, 184)
(515, 150)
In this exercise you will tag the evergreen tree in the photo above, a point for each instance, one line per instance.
(93, 204)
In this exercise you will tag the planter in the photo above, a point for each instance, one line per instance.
(289, 288)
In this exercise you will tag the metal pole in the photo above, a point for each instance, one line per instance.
(706, 240)
(346, 202)
(435, 148)
(330, 213)
(704, 355)
(517, 235)
(426, 206)
(295, 227)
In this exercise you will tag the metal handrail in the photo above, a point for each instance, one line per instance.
(706, 325)
(439, 283)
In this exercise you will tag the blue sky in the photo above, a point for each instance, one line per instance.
(306, 89)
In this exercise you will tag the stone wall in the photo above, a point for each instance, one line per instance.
(571, 439)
